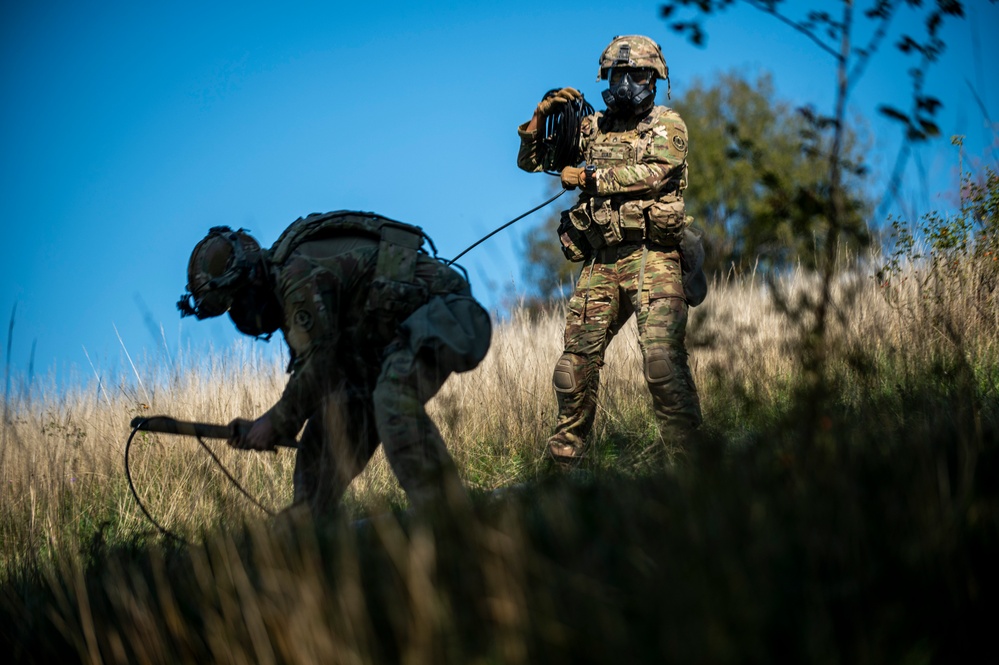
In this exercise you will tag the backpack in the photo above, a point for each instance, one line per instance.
(394, 288)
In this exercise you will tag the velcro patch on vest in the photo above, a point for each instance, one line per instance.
(604, 154)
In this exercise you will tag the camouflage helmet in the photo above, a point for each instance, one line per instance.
(633, 51)
(220, 264)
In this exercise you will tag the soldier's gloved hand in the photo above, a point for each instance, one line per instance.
(551, 104)
(573, 177)
(253, 435)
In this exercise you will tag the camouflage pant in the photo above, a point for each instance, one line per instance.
(338, 442)
(623, 280)
(449, 334)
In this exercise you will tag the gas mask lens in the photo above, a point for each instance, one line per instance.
(638, 76)
(629, 88)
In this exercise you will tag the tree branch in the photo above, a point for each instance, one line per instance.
(874, 43)
(763, 7)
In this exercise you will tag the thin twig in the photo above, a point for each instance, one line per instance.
(794, 24)
(100, 383)
(134, 370)
(872, 46)
(978, 100)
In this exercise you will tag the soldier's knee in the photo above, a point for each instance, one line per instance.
(674, 394)
(661, 364)
(570, 373)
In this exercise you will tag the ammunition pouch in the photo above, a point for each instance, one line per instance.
(666, 222)
(394, 292)
(575, 246)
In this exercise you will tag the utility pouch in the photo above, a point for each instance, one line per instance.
(397, 253)
(394, 291)
(631, 218)
(666, 222)
(574, 244)
(581, 217)
(695, 283)
(606, 227)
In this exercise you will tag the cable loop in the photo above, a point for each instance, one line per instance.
(135, 495)
(558, 142)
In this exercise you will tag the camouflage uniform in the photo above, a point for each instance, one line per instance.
(627, 227)
(375, 326)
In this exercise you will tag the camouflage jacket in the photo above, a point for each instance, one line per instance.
(340, 313)
(641, 173)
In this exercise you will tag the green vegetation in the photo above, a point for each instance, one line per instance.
(839, 505)
(866, 535)
(747, 172)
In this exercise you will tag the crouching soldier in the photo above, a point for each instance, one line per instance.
(374, 325)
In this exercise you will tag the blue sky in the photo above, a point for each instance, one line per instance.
(131, 128)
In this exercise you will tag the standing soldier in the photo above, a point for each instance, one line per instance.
(374, 324)
(627, 226)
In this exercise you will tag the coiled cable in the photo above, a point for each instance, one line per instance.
(558, 140)
(558, 147)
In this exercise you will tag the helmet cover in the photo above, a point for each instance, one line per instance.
(635, 51)
(220, 264)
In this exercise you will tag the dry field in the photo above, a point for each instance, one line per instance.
(62, 456)
(807, 553)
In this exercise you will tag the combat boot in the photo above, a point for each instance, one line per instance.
(565, 452)
(679, 441)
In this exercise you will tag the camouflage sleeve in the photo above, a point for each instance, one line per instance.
(527, 157)
(312, 336)
(302, 396)
(661, 159)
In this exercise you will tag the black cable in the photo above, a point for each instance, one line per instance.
(135, 495)
(231, 479)
(162, 529)
(558, 147)
(515, 219)
(558, 140)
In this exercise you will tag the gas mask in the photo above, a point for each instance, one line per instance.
(256, 311)
(630, 90)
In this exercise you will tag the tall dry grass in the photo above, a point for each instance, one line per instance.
(62, 472)
(784, 551)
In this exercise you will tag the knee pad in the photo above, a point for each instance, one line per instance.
(569, 373)
(659, 367)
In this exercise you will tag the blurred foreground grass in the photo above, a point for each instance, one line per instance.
(857, 524)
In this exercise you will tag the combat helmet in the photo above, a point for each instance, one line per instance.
(632, 63)
(635, 51)
(221, 263)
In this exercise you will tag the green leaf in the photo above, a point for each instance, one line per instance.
(893, 114)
